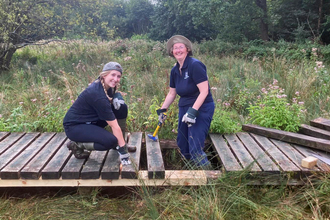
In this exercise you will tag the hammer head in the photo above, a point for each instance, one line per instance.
(154, 138)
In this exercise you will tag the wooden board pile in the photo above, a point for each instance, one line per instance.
(315, 136)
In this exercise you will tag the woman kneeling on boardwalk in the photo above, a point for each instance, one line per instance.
(96, 107)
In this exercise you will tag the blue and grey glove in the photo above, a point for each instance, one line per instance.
(190, 116)
(123, 155)
(161, 115)
(117, 100)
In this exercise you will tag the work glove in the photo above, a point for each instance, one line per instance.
(161, 115)
(190, 116)
(117, 100)
(123, 155)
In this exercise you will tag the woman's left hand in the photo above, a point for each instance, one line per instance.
(117, 100)
(190, 116)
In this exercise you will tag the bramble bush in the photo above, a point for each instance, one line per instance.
(272, 109)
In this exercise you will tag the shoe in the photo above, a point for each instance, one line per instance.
(77, 151)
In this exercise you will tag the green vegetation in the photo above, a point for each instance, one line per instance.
(43, 82)
(229, 197)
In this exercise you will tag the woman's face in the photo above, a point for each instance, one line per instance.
(180, 51)
(112, 79)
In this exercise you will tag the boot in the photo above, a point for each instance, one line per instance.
(78, 149)
(122, 125)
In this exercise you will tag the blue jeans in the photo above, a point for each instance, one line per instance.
(191, 139)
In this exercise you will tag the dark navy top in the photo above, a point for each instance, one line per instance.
(193, 72)
(91, 105)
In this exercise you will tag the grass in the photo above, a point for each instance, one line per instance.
(36, 93)
(229, 197)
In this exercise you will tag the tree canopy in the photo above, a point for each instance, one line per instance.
(25, 22)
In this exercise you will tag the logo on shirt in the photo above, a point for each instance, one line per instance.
(186, 76)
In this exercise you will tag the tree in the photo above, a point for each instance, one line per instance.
(263, 19)
(16, 30)
(139, 14)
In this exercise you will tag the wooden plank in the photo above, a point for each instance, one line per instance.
(309, 152)
(111, 167)
(300, 139)
(226, 156)
(265, 162)
(72, 168)
(322, 123)
(156, 168)
(33, 169)
(314, 131)
(17, 148)
(54, 167)
(172, 178)
(281, 160)
(295, 156)
(9, 141)
(12, 170)
(3, 135)
(130, 171)
(241, 153)
(93, 165)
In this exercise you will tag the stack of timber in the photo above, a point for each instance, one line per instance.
(312, 140)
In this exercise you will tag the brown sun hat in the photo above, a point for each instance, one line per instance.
(178, 39)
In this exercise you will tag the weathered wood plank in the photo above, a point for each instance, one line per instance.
(130, 171)
(294, 155)
(321, 123)
(111, 167)
(54, 167)
(13, 169)
(3, 135)
(17, 148)
(33, 169)
(290, 137)
(72, 168)
(241, 153)
(309, 152)
(226, 156)
(93, 165)
(265, 162)
(314, 131)
(156, 168)
(9, 141)
(281, 160)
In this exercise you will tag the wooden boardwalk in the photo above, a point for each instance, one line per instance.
(42, 160)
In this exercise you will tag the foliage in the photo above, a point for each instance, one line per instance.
(225, 121)
(272, 110)
(231, 196)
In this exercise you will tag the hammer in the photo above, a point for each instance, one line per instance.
(153, 136)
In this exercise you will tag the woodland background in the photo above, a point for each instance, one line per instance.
(26, 22)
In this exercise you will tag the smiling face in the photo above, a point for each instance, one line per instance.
(180, 51)
(112, 79)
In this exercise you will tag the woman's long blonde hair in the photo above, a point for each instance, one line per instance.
(101, 79)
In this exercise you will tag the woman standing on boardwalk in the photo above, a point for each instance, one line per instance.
(196, 107)
(96, 107)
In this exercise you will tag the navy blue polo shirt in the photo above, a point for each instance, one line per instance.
(91, 105)
(193, 72)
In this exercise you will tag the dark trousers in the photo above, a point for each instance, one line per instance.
(191, 139)
(95, 132)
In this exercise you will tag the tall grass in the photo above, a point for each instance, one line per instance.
(229, 197)
(44, 81)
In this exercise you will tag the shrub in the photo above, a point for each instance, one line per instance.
(225, 122)
(272, 109)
